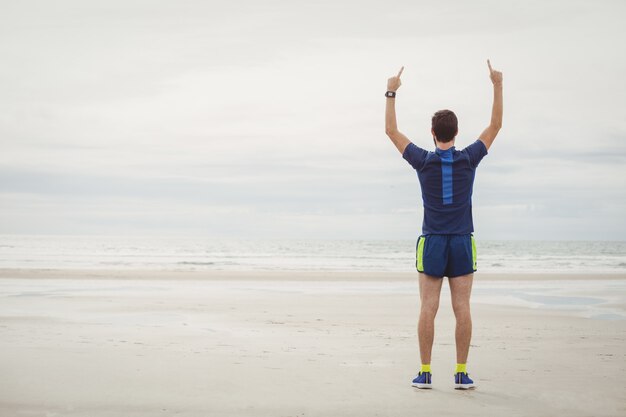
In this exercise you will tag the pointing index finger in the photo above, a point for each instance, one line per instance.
(400, 73)
(489, 63)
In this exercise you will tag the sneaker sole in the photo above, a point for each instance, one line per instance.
(423, 386)
(464, 386)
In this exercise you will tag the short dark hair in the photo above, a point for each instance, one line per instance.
(445, 125)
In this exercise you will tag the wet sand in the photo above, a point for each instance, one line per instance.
(142, 343)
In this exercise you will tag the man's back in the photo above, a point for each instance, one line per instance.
(446, 178)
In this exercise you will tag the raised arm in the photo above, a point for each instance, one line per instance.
(490, 133)
(391, 127)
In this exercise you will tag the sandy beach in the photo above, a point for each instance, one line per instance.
(147, 343)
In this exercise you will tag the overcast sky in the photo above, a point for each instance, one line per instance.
(265, 119)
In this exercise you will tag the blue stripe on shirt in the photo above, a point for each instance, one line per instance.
(446, 177)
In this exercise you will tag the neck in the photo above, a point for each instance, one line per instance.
(444, 146)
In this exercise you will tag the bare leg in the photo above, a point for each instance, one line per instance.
(430, 289)
(460, 289)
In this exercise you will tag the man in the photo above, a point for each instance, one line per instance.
(446, 246)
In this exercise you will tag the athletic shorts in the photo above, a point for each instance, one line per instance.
(446, 255)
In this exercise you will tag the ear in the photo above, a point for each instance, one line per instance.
(433, 133)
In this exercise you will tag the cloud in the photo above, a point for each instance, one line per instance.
(266, 120)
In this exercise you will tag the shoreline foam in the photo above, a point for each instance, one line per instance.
(280, 275)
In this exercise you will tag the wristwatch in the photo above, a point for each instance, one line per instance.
(390, 94)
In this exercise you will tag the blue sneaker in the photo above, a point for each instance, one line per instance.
(423, 380)
(462, 381)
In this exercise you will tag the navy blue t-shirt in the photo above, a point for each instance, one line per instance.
(447, 179)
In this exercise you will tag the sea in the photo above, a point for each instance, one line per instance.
(207, 254)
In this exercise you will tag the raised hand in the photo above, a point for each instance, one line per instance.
(496, 76)
(394, 83)
(490, 133)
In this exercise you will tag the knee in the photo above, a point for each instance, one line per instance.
(462, 311)
(429, 309)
